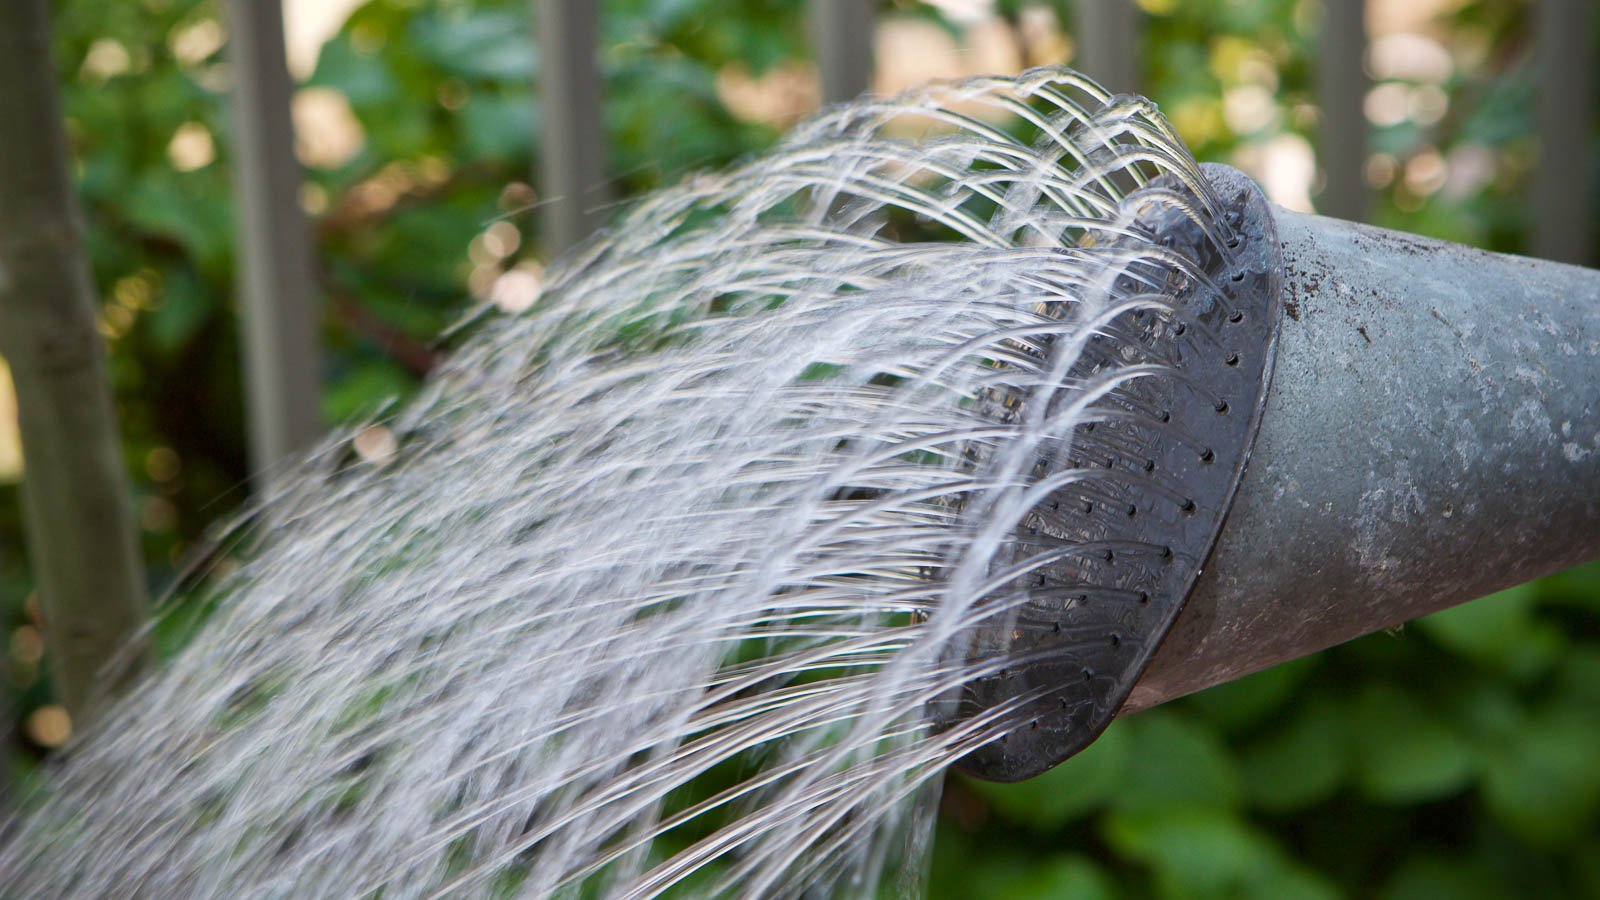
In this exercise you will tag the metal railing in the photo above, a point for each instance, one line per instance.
(277, 285)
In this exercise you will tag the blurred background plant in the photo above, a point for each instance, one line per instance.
(1456, 758)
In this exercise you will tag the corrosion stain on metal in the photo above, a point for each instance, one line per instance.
(1160, 459)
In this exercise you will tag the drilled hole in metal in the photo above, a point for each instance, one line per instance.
(1148, 426)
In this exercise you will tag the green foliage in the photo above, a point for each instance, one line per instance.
(1446, 761)
(1455, 759)
(441, 98)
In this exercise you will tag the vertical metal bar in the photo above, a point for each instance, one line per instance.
(1108, 43)
(277, 276)
(841, 36)
(1563, 226)
(572, 173)
(1342, 87)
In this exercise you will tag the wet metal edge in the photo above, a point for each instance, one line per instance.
(1160, 460)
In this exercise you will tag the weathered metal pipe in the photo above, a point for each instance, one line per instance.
(1432, 435)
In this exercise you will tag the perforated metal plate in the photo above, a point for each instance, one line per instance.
(1161, 458)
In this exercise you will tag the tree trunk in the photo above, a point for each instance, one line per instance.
(81, 542)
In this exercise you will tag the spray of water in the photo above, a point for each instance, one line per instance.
(669, 576)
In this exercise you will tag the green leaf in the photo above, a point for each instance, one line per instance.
(1174, 761)
(493, 45)
(366, 388)
(1241, 703)
(1588, 865)
(1060, 878)
(1068, 791)
(365, 80)
(499, 127)
(162, 204)
(1300, 764)
(1545, 785)
(1436, 878)
(184, 308)
(1207, 852)
(1580, 673)
(1196, 851)
(1578, 586)
(1497, 631)
(1405, 753)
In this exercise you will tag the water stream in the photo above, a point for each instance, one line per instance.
(668, 578)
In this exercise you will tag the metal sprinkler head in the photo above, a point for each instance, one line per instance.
(1157, 458)
(1432, 437)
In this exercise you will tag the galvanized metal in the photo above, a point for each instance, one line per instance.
(572, 147)
(1108, 43)
(841, 37)
(1157, 460)
(1563, 207)
(1341, 93)
(277, 275)
(1432, 435)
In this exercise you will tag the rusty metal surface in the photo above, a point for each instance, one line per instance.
(1160, 459)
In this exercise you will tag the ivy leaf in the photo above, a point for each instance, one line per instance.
(1300, 764)
(1207, 852)
(1545, 785)
(1062, 878)
(1239, 704)
(1437, 878)
(1173, 761)
(492, 45)
(1498, 631)
(1406, 753)
(1066, 792)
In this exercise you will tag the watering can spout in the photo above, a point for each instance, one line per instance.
(1427, 431)
(1431, 435)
